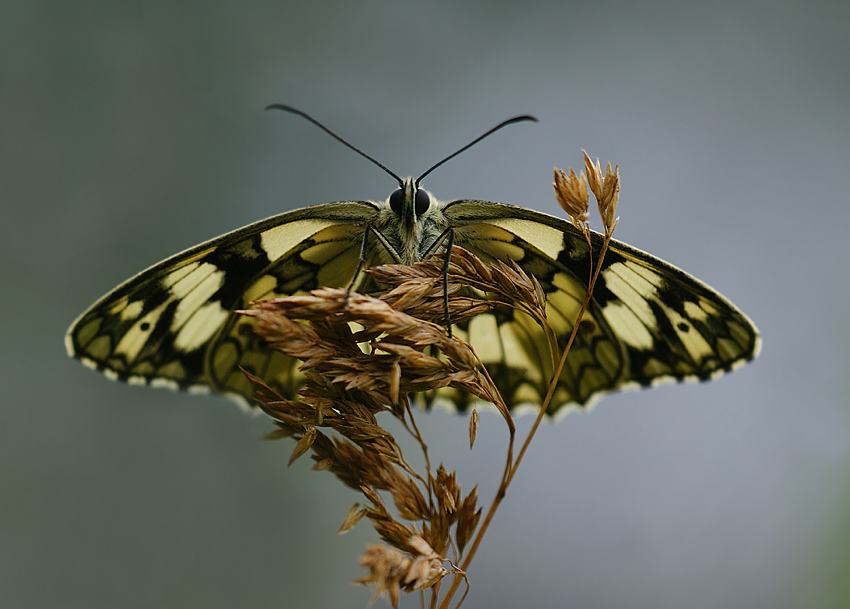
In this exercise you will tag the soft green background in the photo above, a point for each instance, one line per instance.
(129, 131)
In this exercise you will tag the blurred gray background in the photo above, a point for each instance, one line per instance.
(131, 131)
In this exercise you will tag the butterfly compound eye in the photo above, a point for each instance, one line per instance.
(397, 200)
(422, 202)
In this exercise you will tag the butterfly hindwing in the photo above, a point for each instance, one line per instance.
(173, 324)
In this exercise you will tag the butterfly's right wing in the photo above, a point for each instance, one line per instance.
(647, 323)
(173, 325)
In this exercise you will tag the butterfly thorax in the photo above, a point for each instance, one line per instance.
(411, 221)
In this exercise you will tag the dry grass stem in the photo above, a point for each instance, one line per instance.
(367, 356)
(606, 190)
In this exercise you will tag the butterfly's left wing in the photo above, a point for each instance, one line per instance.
(648, 322)
(174, 324)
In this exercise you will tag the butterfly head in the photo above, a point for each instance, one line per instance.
(409, 202)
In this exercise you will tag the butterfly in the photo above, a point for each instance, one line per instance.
(174, 325)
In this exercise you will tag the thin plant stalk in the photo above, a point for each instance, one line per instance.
(511, 468)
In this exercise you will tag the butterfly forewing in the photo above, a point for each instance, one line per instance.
(174, 325)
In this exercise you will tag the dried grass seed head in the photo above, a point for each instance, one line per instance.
(421, 293)
(594, 176)
(610, 198)
(391, 571)
(571, 193)
(467, 521)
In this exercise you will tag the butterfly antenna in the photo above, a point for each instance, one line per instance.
(510, 121)
(292, 110)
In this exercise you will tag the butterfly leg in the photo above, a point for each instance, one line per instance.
(360, 262)
(363, 258)
(449, 236)
(446, 260)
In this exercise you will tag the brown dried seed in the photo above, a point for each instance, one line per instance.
(468, 518)
(303, 444)
(420, 546)
(447, 490)
(391, 531)
(473, 427)
(571, 193)
(409, 501)
(352, 518)
(594, 176)
(610, 197)
(322, 465)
